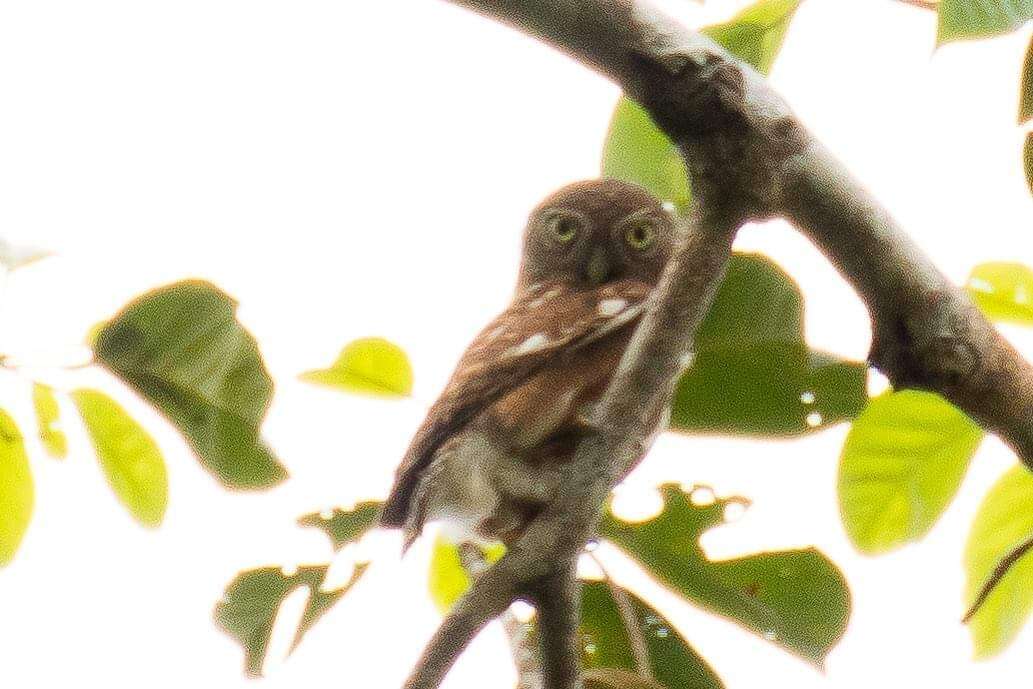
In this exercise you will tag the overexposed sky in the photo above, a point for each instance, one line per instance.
(348, 169)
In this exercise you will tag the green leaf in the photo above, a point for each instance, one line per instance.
(1026, 89)
(797, 599)
(967, 19)
(902, 463)
(1027, 155)
(183, 349)
(251, 602)
(755, 35)
(16, 489)
(128, 455)
(615, 678)
(637, 151)
(1004, 291)
(371, 365)
(48, 416)
(753, 373)
(447, 579)
(606, 645)
(345, 526)
(1003, 523)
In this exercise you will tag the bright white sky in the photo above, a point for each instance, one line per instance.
(347, 169)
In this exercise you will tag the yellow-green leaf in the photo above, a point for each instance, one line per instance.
(16, 490)
(128, 455)
(371, 365)
(1004, 291)
(1003, 523)
(637, 151)
(756, 34)
(447, 580)
(967, 19)
(902, 463)
(48, 414)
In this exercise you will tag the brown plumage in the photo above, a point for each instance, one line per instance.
(493, 448)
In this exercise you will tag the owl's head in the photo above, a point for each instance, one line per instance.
(597, 231)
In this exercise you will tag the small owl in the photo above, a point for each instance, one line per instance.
(493, 448)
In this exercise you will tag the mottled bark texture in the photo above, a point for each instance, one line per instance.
(749, 158)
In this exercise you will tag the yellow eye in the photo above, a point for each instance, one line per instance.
(640, 235)
(564, 228)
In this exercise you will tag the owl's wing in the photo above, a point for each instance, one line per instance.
(546, 323)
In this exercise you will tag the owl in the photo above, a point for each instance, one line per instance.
(495, 445)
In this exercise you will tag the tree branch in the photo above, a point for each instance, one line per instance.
(558, 601)
(748, 157)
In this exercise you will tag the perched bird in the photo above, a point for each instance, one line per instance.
(493, 448)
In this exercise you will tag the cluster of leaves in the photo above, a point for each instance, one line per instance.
(182, 349)
(796, 599)
(904, 460)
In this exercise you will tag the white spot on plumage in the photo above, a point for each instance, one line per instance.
(611, 307)
(536, 341)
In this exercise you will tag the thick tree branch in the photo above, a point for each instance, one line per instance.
(748, 157)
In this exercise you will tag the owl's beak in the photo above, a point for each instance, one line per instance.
(598, 269)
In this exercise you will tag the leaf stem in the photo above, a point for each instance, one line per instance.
(1002, 569)
(636, 638)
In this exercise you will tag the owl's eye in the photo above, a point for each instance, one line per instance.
(640, 235)
(563, 227)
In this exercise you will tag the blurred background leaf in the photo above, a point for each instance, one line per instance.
(16, 489)
(447, 579)
(1003, 290)
(1027, 156)
(1026, 87)
(15, 256)
(755, 35)
(753, 373)
(902, 463)
(606, 644)
(131, 460)
(251, 602)
(372, 366)
(635, 150)
(48, 417)
(797, 599)
(345, 526)
(965, 19)
(1003, 523)
(182, 348)
(614, 678)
